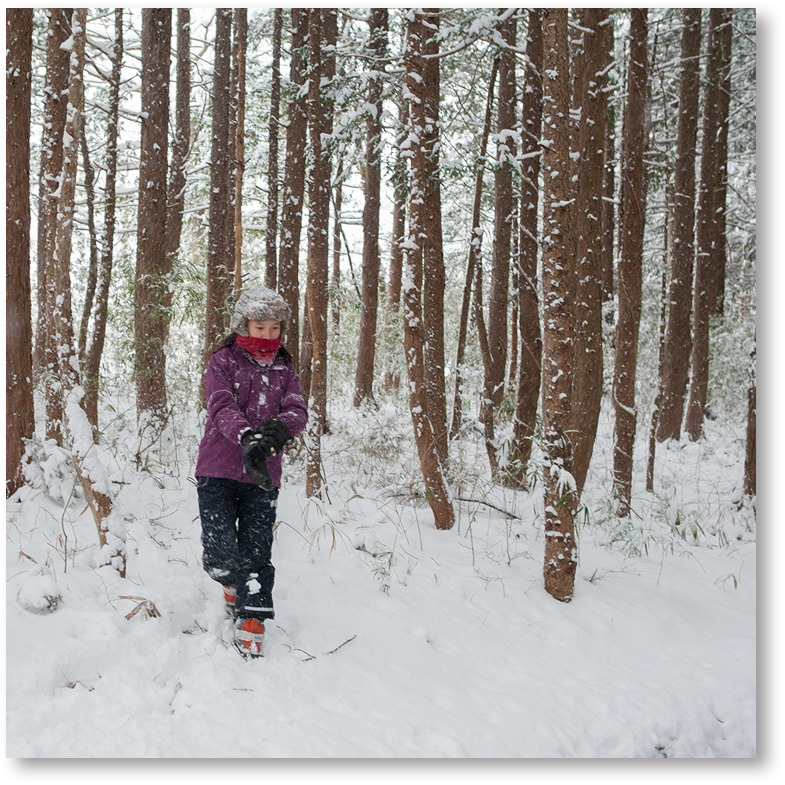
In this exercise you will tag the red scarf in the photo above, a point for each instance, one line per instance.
(263, 350)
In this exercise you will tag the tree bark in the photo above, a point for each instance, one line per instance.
(706, 235)
(55, 105)
(18, 300)
(667, 247)
(220, 259)
(335, 282)
(631, 219)
(92, 270)
(608, 195)
(271, 255)
(678, 339)
(294, 184)
(94, 351)
(423, 250)
(425, 200)
(366, 352)
(529, 369)
(152, 280)
(588, 301)
(322, 33)
(719, 256)
(175, 202)
(750, 478)
(238, 147)
(558, 303)
(498, 300)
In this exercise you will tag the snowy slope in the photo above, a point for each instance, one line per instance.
(393, 639)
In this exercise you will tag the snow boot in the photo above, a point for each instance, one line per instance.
(230, 595)
(248, 637)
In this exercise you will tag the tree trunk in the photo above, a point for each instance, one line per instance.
(719, 256)
(55, 105)
(271, 255)
(231, 213)
(423, 249)
(336, 289)
(475, 248)
(294, 184)
(92, 364)
(335, 278)
(678, 339)
(392, 378)
(750, 479)
(152, 280)
(515, 282)
(425, 201)
(666, 255)
(305, 352)
(181, 146)
(87, 456)
(706, 235)
(529, 371)
(588, 301)
(498, 300)
(220, 259)
(19, 333)
(92, 270)
(631, 220)
(366, 352)
(558, 299)
(238, 145)
(608, 195)
(322, 33)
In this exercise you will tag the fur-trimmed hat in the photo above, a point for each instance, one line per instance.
(258, 304)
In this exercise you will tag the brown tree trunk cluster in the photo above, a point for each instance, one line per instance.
(551, 161)
(19, 334)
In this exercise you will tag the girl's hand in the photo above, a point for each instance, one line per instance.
(256, 450)
(276, 434)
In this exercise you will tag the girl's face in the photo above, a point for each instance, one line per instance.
(267, 328)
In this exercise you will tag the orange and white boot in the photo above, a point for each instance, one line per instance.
(248, 637)
(230, 595)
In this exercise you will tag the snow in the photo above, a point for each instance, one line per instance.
(392, 639)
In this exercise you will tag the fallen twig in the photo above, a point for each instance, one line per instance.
(313, 656)
(488, 504)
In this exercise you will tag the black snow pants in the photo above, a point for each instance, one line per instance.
(237, 538)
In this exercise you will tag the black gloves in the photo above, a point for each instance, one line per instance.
(276, 433)
(258, 446)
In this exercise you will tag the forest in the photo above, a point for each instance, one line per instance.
(519, 248)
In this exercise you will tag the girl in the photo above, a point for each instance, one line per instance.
(254, 407)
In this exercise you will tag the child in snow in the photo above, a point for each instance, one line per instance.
(254, 407)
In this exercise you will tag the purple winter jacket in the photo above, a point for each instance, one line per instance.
(242, 394)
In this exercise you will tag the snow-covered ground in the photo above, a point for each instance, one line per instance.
(392, 639)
